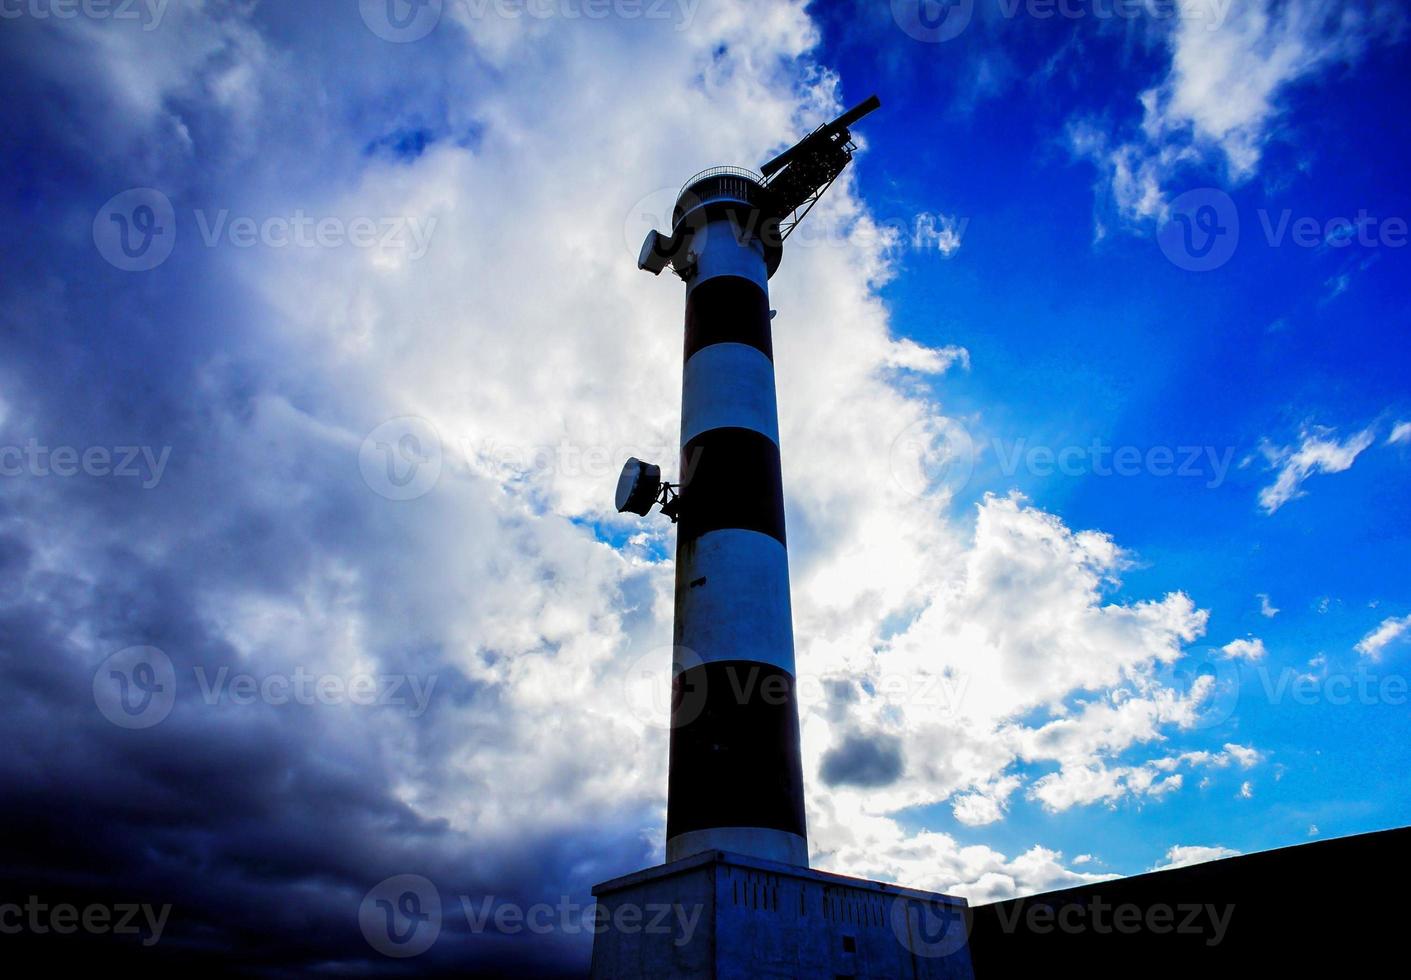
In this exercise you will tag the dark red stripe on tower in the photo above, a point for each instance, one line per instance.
(728, 309)
(735, 758)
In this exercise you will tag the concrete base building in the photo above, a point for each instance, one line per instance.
(730, 917)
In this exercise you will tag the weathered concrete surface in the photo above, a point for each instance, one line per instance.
(726, 916)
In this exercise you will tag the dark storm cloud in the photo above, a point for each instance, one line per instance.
(867, 761)
(262, 825)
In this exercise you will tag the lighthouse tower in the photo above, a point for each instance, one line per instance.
(736, 779)
(736, 840)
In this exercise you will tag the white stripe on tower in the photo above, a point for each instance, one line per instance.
(736, 779)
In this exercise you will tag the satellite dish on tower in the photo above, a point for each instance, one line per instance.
(640, 486)
(637, 487)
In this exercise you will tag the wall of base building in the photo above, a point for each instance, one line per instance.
(1330, 909)
(757, 919)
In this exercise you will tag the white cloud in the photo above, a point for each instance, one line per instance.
(513, 336)
(1317, 451)
(1244, 755)
(976, 810)
(1266, 608)
(1225, 88)
(942, 232)
(1251, 649)
(1391, 629)
(907, 353)
(1400, 434)
(1085, 784)
(1184, 855)
(1246, 790)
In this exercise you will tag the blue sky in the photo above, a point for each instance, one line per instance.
(1074, 340)
(349, 409)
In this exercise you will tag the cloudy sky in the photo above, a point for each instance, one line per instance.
(323, 343)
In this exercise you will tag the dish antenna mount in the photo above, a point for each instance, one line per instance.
(777, 198)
